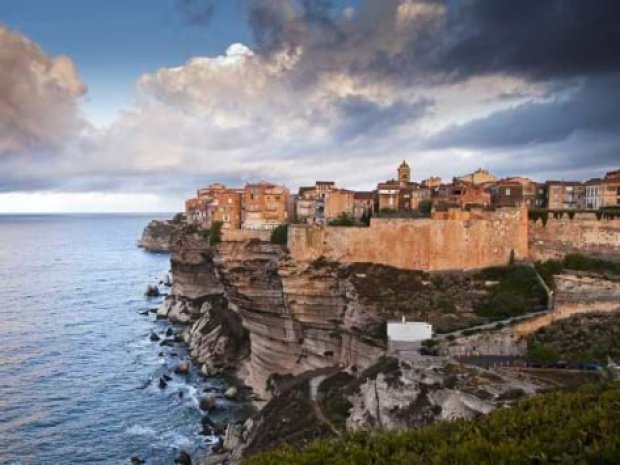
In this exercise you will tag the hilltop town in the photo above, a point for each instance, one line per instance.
(264, 206)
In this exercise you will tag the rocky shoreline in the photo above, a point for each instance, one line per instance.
(305, 342)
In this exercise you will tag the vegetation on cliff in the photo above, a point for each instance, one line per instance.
(558, 427)
(280, 235)
(448, 300)
(586, 338)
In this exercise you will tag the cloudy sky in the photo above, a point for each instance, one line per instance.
(130, 105)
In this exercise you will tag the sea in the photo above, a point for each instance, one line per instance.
(79, 374)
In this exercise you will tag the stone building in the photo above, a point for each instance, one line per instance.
(480, 176)
(339, 202)
(594, 194)
(323, 202)
(433, 181)
(265, 206)
(363, 204)
(565, 195)
(611, 189)
(514, 192)
(400, 194)
(460, 194)
(215, 203)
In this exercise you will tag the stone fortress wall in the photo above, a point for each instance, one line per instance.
(584, 233)
(450, 240)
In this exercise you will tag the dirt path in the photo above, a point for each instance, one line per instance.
(314, 389)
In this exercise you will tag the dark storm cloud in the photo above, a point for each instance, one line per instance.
(196, 12)
(593, 109)
(436, 39)
(538, 39)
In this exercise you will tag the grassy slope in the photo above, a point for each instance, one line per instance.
(448, 300)
(585, 338)
(581, 427)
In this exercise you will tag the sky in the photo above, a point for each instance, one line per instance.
(131, 105)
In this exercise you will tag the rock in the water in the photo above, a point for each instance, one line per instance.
(152, 291)
(165, 280)
(167, 377)
(182, 368)
(162, 383)
(207, 403)
(231, 393)
(183, 458)
(169, 332)
(154, 337)
(135, 460)
(209, 427)
(164, 309)
(143, 312)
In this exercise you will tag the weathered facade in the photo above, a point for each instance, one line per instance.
(265, 206)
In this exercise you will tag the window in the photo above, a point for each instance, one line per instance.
(508, 191)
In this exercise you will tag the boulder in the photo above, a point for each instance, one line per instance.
(231, 393)
(162, 383)
(152, 291)
(169, 332)
(182, 368)
(210, 428)
(135, 460)
(154, 337)
(183, 458)
(207, 403)
(164, 309)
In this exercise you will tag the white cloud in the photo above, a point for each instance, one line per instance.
(37, 95)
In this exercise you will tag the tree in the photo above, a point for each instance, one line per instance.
(215, 233)
(280, 235)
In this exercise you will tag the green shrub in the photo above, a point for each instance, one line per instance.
(215, 233)
(578, 427)
(518, 292)
(344, 219)
(280, 235)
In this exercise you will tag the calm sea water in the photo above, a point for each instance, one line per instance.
(78, 373)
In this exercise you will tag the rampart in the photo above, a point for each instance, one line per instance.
(454, 239)
(583, 233)
(241, 235)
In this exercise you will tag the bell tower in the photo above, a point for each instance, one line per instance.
(404, 172)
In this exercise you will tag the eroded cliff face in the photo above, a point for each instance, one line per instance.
(160, 236)
(252, 310)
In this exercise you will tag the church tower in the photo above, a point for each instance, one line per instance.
(404, 172)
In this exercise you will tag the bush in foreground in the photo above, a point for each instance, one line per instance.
(580, 427)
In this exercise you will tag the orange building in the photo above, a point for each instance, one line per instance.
(338, 202)
(215, 203)
(265, 206)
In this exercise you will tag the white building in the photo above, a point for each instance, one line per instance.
(407, 334)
